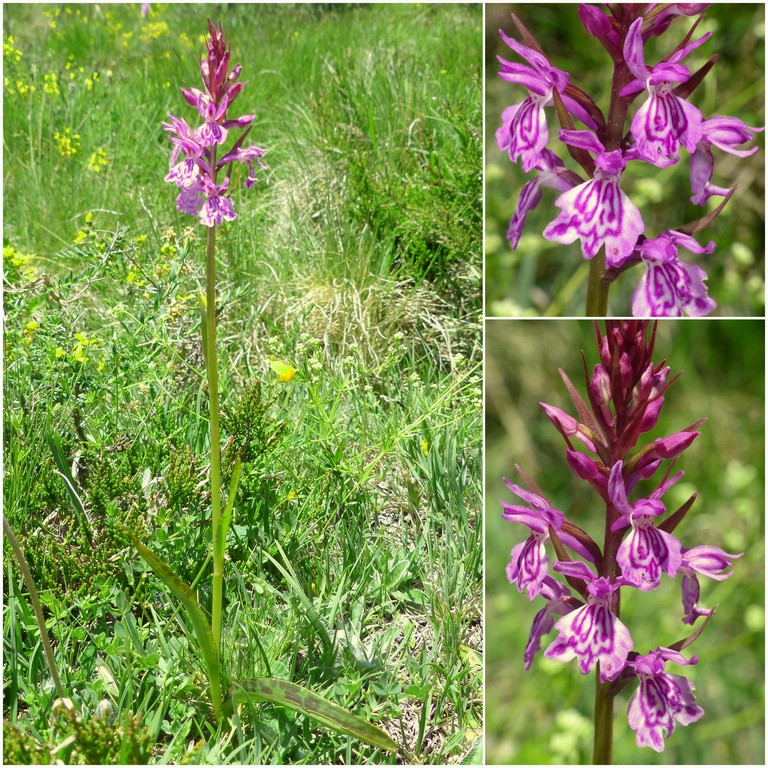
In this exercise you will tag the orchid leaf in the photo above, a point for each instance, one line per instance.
(312, 705)
(585, 415)
(197, 617)
(692, 83)
(528, 38)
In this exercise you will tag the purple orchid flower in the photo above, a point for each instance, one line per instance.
(671, 287)
(568, 426)
(725, 133)
(194, 167)
(597, 211)
(665, 121)
(592, 633)
(217, 208)
(524, 133)
(646, 551)
(705, 560)
(559, 603)
(528, 560)
(528, 564)
(551, 172)
(661, 699)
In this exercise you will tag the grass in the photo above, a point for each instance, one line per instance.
(354, 555)
(544, 715)
(542, 278)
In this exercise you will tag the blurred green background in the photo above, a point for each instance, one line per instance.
(544, 715)
(544, 278)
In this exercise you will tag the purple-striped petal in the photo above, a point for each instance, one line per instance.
(646, 552)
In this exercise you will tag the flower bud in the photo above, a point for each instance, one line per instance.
(669, 447)
(567, 425)
(651, 415)
(598, 24)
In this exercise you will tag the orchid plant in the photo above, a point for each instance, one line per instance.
(625, 394)
(202, 170)
(594, 208)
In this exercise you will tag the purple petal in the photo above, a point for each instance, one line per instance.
(709, 561)
(582, 139)
(616, 490)
(523, 133)
(591, 634)
(633, 51)
(645, 553)
(575, 569)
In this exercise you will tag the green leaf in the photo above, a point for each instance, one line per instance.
(54, 444)
(293, 582)
(312, 705)
(197, 617)
(475, 754)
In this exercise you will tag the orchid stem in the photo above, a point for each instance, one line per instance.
(213, 400)
(603, 749)
(597, 287)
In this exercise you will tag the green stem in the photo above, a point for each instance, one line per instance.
(213, 400)
(33, 596)
(597, 287)
(603, 748)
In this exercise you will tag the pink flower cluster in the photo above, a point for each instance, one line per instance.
(597, 211)
(195, 167)
(625, 394)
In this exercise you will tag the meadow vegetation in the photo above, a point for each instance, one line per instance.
(355, 551)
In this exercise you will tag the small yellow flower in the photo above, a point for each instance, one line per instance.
(98, 161)
(67, 142)
(425, 447)
(24, 89)
(153, 31)
(10, 51)
(51, 83)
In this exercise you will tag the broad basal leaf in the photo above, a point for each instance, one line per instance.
(312, 705)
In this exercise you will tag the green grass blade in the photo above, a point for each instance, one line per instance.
(33, 596)
(312, 705)
(197, 616)
(293, 582)
(54, 443)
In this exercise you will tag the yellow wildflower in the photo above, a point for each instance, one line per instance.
(10, 51)
(24, 89)
(98, 161)
(154, 30)
(67, 142)
(51, 83)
